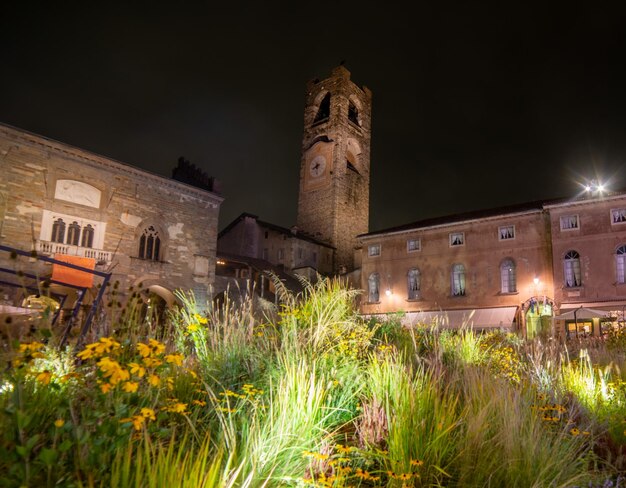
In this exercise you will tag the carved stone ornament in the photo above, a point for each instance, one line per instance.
(78, 192)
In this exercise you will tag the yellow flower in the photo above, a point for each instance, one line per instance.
(176, 359)
(130, 386)
(200, 318)
(148, 413)
(44, 377)
(193, 327)
(574, 431)
(177, 407)
(201, 403)
(154, 380)
(31, 346)
(106, 387)
(136, 420)
(416, 462)
(106, 345)
(152, 362)
(87, 353)
(58, 423)
(137, 369)
(144, 350)
(341, 448)
(157, 346)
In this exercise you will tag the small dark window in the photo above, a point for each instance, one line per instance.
(58, 231)
(87, 239)
(267, 234)
(353, 114)
(323, 112)
(73, 234)
(150, 244)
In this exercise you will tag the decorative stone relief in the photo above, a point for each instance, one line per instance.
(78, 192)
(130, 219)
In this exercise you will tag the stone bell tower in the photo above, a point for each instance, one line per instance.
(333, 202)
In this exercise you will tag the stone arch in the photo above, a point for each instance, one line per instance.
(153, 284)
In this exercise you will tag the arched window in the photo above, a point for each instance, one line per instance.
(58, 231)
(73, 234)
(458, 280)
(620, 260)
(413, 283)
(374, 288)
(87, 238)
(150, 244)
(323, 112)
(571, 268)
(508, 281)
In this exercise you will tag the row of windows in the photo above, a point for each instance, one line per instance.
(508, 282)
(455, 239)
(508, 277)
(505, 232)
(572, 222)
(75, 235)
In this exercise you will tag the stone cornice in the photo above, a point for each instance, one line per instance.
(97, 161)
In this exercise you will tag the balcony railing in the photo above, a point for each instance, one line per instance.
(47, 247)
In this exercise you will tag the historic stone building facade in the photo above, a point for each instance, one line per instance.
(516, 268)
(59, 200)
(333, 202)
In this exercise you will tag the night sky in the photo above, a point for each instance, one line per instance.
(474, 106)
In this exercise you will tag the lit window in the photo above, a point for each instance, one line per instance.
(620, 261)
(373, 283)
(507, 276)
(618, 216)
(569, 222)
(506, 232)
(458, 280)
(413, 245)
(373, 250)
(150, 244)
(413, 283)
(58, 231)
(457, 239)
(571, 268)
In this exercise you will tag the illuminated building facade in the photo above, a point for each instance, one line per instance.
(515, 268)
(58, 200)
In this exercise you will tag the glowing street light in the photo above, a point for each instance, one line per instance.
(595, 186)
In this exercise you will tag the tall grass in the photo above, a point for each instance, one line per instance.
(309, 393)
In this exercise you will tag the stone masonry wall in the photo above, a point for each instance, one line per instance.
(34, 170)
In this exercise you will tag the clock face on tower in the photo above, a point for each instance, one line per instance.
(317, 165)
